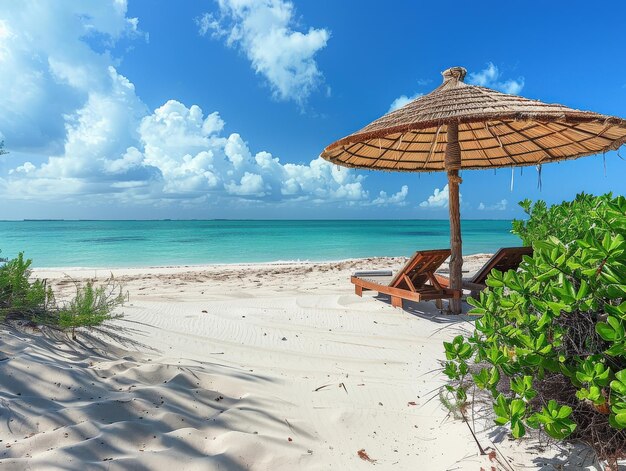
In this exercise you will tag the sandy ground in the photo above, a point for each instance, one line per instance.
(238, 367)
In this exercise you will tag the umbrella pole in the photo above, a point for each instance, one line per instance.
(453, 164)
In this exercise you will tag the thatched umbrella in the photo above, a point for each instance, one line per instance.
(460, 126)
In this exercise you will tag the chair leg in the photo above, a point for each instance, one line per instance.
(439, 304)
(396, 302)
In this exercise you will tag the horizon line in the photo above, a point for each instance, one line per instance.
(245, 219)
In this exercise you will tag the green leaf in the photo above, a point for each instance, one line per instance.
(618, 385)
(501, 408)
(518, 407)
(616, 311)
(583, 290)
(614, 423)
(563, 412)
(481, 378)
(517, 428)
(451, 370)
(612, 330)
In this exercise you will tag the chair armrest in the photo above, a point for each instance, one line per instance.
(373, 273)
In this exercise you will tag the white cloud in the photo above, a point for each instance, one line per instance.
(105, 126)
(250, 184)
(181, 155)
(47, 69)
(192, 156)
(499, 206)
(490, 77)
(68, 104)
(25, 168)
(263, 31)
(439, 199)
(397, 198)
(401, 101)
(131, 158)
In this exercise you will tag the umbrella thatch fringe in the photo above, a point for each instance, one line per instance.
(495, 130)
(475, 167)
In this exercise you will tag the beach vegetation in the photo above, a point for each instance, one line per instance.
(18, 294)
(34, 301)
(92, 305)
(550, 343)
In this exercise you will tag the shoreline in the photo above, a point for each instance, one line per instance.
(54, 271)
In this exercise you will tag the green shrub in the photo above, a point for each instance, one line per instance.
(17, 293)
(550, 345)
(35, 302)
(91, 306)
(567, 221)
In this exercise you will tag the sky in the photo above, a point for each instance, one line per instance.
(147, 109)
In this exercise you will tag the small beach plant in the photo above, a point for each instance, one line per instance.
(17, 293)
(550, 342)
(34, 300)
(91, 306)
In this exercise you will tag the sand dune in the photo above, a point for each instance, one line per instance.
(261, 367)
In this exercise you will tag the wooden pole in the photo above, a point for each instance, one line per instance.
(453, 164)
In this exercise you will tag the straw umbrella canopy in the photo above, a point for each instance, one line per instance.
(460, 126)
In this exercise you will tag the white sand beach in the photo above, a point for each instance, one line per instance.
(244, 367)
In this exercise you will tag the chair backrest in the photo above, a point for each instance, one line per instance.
(505, 259)
(418, 267)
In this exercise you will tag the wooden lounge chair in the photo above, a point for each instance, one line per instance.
(505, 259)
(416, 281)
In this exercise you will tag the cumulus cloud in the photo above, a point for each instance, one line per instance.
(499, 206)
(491, 77)
(193, 156)
(398, 198)
(181, 154)
(48, 75)
(94, 136)
(25, 168)
(104, 126)
(264, 31)
(439, 199)
(402, 100)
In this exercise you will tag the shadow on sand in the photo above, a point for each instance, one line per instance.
(99, 406)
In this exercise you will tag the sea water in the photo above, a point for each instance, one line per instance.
(161, 243)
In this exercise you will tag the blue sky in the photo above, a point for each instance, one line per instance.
(205, 109)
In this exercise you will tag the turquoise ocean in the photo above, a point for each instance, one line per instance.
(161, 243)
